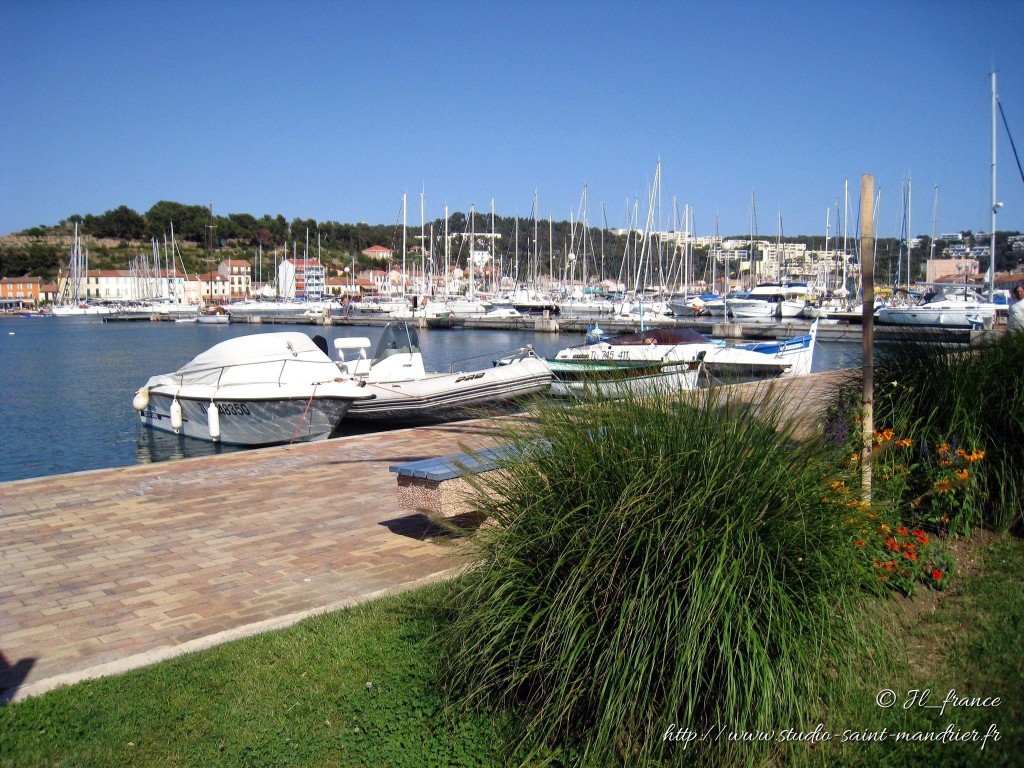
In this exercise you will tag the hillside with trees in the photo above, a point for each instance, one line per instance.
(116, 237)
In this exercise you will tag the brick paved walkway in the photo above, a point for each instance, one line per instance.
(104, 571)
(107, 570)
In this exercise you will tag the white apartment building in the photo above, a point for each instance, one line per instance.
(239, 276)
(301, 279)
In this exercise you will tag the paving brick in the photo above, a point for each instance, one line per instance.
(107, 565)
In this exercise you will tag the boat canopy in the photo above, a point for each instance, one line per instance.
(259, 358)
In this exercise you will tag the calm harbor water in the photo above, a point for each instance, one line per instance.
(66, 384)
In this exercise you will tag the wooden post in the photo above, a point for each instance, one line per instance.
(867, 271)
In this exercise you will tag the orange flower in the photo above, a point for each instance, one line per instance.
(902, 531)
(859, 543)
(905, 442)
(963, 474)
(942, 449)
(891, 545)
(945, 462)
(883, 435)
(910, 555)
(920, 535)
(937, 574)
(971, 457)
(944, 486)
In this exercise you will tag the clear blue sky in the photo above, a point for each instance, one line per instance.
(333, 110)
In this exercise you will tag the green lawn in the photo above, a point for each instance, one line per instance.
(351, 688)
(964, 644)
(360, 688)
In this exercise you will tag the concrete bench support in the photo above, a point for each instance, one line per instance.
(438, 485)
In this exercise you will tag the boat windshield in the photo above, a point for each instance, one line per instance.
(398, 338)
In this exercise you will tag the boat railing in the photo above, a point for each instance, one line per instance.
(506, 357)
(275, 374)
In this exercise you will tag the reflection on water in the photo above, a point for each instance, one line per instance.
(154, 446)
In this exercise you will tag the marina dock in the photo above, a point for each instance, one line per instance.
(108, 570)
(828, 330)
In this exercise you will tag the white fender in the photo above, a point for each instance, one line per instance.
(176, 416)
(213, 420)
(141, 400)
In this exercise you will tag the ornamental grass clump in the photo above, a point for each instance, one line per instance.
(659, 565)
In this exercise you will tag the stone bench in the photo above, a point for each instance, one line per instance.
(438, 485)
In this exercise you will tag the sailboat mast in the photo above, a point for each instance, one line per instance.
(535, 277)
(405, 283)
(995, 204)
(910, 196)
(472, 241)
(423, 245)
(551, 245)
(935, 214)
(494, 274)
(446, 252)
(828, 231)
(846, 216)
(778, 252)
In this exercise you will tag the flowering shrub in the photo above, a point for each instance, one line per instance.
(948, 490)
(940, 487)
(900, 557)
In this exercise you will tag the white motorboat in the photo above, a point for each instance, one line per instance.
(961, 309)
(612, 379)
(405, 392)
(81, 308)
(687, 305)
(263, 389)
(685, 346)
(455, 307)
(213, 315)
(578, 306)
(770, 300)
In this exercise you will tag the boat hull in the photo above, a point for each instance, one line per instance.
(442, 397)
(249, 422)
(78, 310)
(789, 357)
(609, 379)
(947, 317)
(753, 309)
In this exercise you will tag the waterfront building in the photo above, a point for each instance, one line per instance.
(301, 279)
(379, 252)
(23, 290)
(959, 269)
(239, 276)
(124, 285)
(214, 288)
